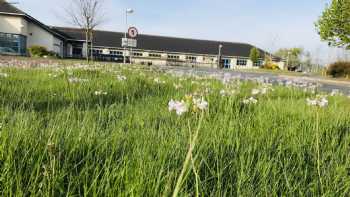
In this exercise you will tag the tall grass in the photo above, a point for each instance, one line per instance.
(60, 139)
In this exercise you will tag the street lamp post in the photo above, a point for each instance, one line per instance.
(128, 11)
(219, 57)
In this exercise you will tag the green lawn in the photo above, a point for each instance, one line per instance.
(92, 132)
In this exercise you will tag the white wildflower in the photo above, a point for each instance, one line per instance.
(335, 92)
(263, 90)
(200, 104)
(311, 102)
(255, 91)
(223, 93)
(158, 81)
(177, 86)
(180, 107)
(100, 92)
(319, 102)
(121, 78)
(251, 100)
(77, 80)
(323, 102)
(4, 75)
(53, 75)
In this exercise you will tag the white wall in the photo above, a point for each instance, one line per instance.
(13, 25)
(39, 36)
(35, 34)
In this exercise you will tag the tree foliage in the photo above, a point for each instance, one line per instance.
(254, 55)
(292, 56)
(334, 24)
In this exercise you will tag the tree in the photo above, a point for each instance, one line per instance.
(254, 55)
(334, 24)
(292, 56)
(307, 61)
(87, 14)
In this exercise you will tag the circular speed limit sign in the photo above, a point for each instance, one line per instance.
(133, 32)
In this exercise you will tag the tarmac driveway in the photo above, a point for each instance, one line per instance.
(325, 84)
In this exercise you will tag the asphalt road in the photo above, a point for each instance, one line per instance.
(326, 85)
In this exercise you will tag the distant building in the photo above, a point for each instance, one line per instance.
(19, 31)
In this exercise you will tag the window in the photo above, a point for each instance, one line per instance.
(259, 63)
(227, 63)
(191, 58)
(174, 57)
(242, 62)
(116, 53)
(13, 44)
(156, 55)
(137, 54)
(96, 51)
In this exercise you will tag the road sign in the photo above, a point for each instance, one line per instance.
(133, 32)
(127, 42)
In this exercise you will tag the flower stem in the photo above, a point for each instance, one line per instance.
(318, 150)
(188, 158)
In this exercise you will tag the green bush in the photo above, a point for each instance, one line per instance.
(339, 69)
(40, 51)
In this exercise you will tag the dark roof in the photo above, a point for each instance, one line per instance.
(8, 8)
(162, 43)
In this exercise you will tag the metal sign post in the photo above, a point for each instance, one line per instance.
(130, 42)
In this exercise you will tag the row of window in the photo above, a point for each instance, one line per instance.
(174, 57)
(12, 44)
(227, 62)
(191, 58)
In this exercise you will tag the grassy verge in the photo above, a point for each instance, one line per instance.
(107, 131)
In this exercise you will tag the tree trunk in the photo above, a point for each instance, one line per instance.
(87, 44)
(91, 39)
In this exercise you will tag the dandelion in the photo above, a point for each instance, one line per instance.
(180, 107)
(251, 100)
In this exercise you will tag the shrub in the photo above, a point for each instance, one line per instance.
(339, 69)
(40, 51)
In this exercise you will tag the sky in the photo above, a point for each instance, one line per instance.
(267, 24)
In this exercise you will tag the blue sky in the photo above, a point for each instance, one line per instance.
(269, 24)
